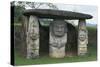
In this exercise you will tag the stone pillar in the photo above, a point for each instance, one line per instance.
(24, 36)
(58, 39)
(33, 37)
(82, 37)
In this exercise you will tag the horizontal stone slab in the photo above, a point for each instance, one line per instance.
(59, 14)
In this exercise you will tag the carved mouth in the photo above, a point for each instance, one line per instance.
(58, 45)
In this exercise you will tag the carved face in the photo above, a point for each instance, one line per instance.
(82, 35)
(59, 28)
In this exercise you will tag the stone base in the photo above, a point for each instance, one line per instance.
(57, 53)
(82, 50)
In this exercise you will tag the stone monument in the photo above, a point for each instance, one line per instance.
(33, 38)
(58, 31)
(58, 38)
(82, 38)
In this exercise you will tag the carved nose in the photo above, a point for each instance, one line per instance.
(59, 30)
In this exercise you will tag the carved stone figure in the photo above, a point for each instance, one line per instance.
(58, 38)
(33, 38)
(82, 38)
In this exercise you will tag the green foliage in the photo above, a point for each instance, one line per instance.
(18, 13)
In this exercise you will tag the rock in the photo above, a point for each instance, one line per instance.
(58, 39)
(33, 38)
(82, 38)
(56, 14)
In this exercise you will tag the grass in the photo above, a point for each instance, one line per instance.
(91, 56)
(19, 60)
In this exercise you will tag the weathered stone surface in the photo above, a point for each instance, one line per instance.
(82, 38)
(49, 13)
(33, 38)
(24, 35)
(58, 39)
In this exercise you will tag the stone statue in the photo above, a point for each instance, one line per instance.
(33, 38)
(82, 38)
(58, 38)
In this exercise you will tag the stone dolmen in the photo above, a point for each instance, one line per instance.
(57, 31)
